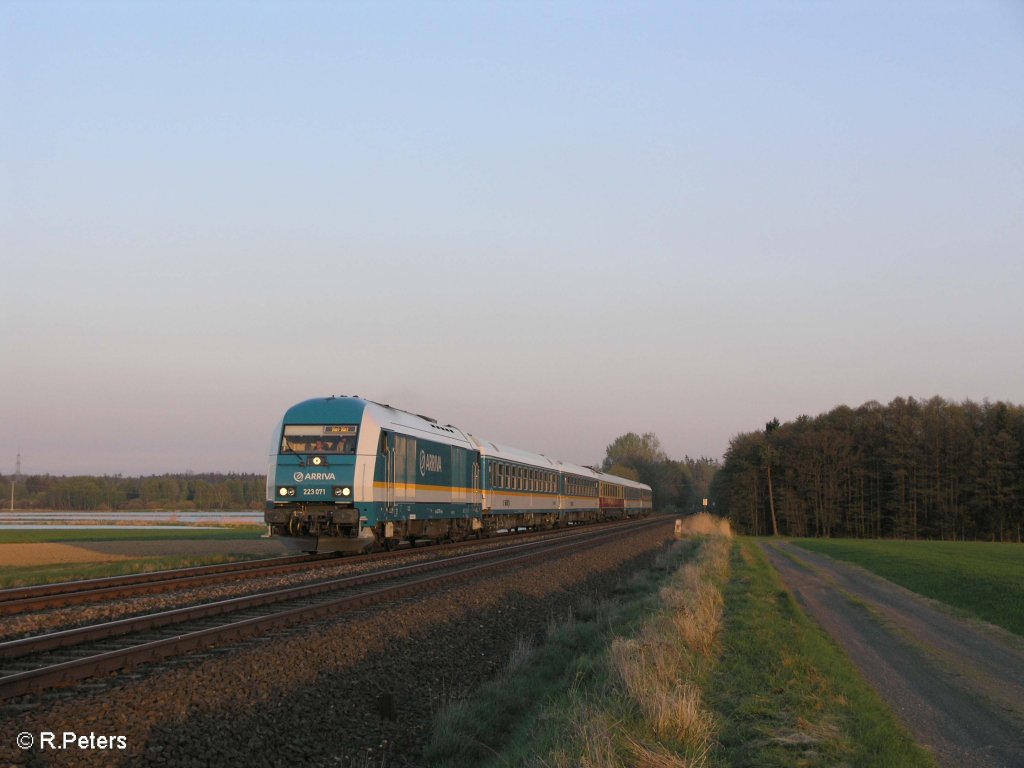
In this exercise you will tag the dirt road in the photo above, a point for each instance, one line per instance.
(957, 685)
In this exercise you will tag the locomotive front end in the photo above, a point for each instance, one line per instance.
(311, 478)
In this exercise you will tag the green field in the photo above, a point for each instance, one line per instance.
(980, 579)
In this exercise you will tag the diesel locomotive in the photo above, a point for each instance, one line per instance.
(348, 474)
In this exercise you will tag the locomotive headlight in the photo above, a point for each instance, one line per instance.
(318, 460)
(342, 491)
(285, 491)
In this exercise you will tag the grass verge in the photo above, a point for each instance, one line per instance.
(980, 579)
(783, 692)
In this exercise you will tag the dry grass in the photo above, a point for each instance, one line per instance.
(706, 525)
(652, 714)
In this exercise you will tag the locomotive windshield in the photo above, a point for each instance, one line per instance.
(304, 438)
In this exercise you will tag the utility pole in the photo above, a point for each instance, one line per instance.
(17, 473)
(770, 427)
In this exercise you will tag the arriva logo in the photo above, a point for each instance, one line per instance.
(429, 463)
(299, 476)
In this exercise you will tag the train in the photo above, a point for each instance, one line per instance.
(346, 474)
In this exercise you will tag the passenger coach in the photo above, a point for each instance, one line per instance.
(356, 474)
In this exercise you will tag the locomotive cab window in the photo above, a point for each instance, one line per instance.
(305, 438)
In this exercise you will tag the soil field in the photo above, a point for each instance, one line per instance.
(53, 553)
(957, 685)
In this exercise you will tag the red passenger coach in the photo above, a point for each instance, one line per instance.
(613, 500)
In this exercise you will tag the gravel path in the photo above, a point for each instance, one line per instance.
(358, 692)
(957, 685)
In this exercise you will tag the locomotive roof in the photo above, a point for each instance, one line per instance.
(355, 410)
(407, 422)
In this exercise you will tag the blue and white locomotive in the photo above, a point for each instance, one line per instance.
(356, 474)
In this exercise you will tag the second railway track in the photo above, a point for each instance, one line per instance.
(46, 596)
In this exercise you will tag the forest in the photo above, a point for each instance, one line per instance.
(208, 491)
(912, 469)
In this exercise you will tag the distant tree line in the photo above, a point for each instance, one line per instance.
(177, 492)
(677, 486)
(910, 469)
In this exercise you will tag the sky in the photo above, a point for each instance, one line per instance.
(547, 223)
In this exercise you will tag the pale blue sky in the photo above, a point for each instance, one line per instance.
(548, 223)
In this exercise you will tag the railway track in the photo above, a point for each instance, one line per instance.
(64, 657)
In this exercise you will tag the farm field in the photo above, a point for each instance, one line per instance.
(50, 554)
(979, 579)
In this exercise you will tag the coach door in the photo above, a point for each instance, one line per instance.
(404, 469)
(386, 455)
